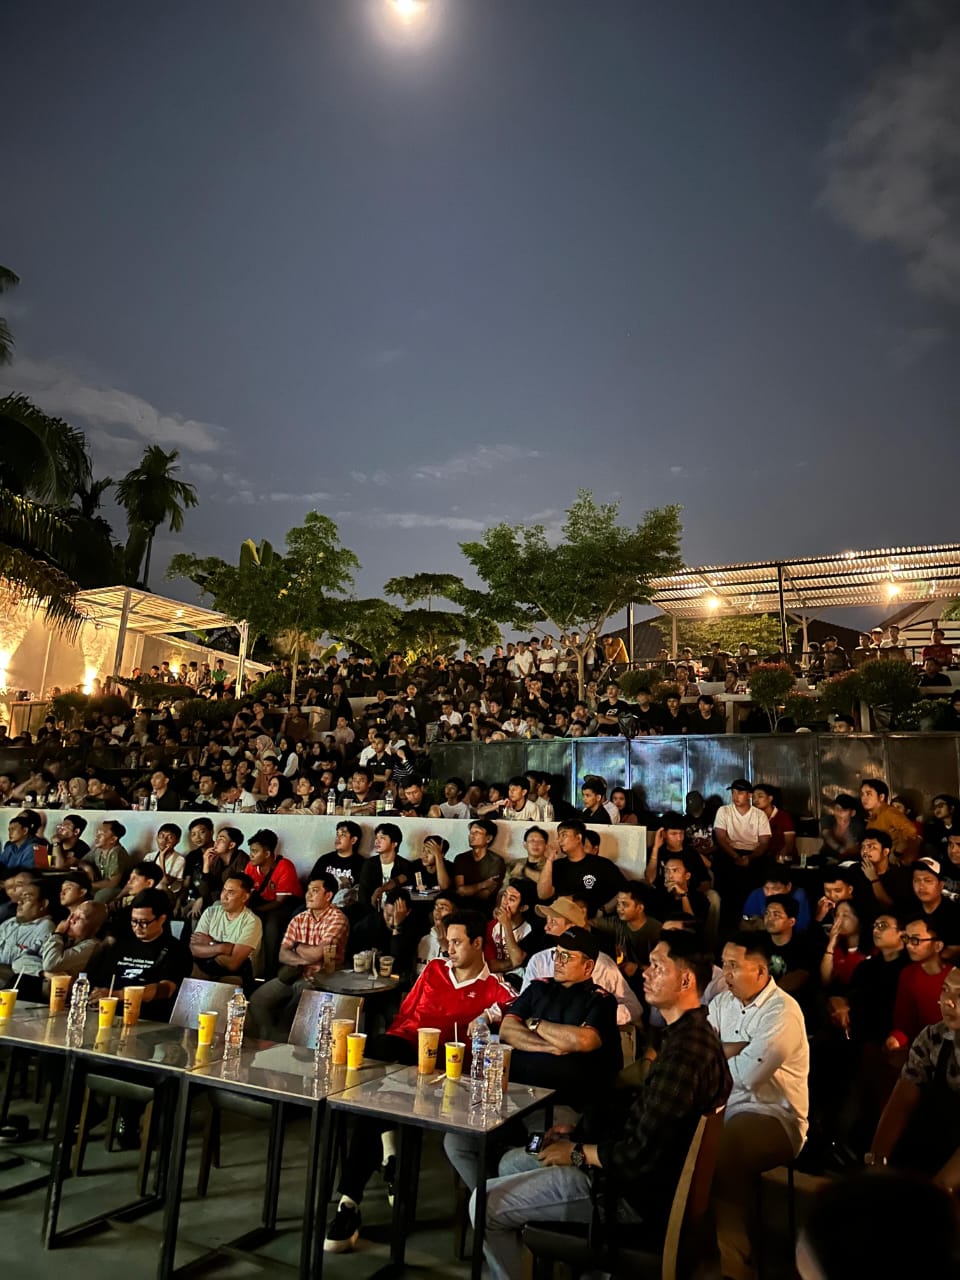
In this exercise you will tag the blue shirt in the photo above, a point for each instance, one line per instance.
(756, 904)
(16, 856)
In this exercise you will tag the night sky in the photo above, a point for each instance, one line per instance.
(429, 271)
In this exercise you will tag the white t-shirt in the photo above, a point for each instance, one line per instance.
(745, 830)
(547, 660)
(529, 812)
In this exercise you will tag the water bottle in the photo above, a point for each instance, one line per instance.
(331, 802)
(493, 1075)
(389, 800)
(321, 1056)
(79, 999)
(478, 1050)
(236, 1016)
(153, 803)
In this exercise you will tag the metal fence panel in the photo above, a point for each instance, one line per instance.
(921, 767)
(845, 760)
(657, 773)
(791, 765)
(713, 763)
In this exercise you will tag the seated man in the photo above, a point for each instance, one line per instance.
(21, 848)
(793, 961)
(228, 935)
(777, 880)
(74, 942)
(563, 1029)
(74, 889)
(942, 914)
(145, 875)
(154, 959)
(478, 873)
(761, 1028)
(276, 893)
(508, 940)
(559, 916)
(67, 848)
(449, 993)
(634, 933)
(385, 869)
(302, 954)
(640, 1137)
(14, 883)
(920, 1125)
(22, 938)
(573, 873)
(678, 893)
(108, 860)
(917, 1003)
(345, 863)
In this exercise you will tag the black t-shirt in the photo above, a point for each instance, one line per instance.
(135, 963)
(618, 709)
(872, 993)
(796, 954)
(945, 920)
(714, 723)
(593, 878)
(667, 903)
(596, 817)
(575, 1076)
(345, 868)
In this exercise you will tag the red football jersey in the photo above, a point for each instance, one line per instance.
(436, 1000)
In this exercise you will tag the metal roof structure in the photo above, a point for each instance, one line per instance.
(888, 576)
(150, 614)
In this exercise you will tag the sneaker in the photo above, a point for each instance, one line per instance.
(389, 1175)
(343, 1230)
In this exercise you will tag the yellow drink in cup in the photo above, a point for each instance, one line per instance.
(356, 1042)
(455, 1050)
(132, 1000)
(206, 1027)
(428, 1042)
(202, 1056)
(108, 1011)
(8, 1001)
(340, 1028)
(59, 988)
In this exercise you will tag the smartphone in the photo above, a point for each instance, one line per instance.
(534, 1143)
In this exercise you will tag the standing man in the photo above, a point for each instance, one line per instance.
(765, 1043)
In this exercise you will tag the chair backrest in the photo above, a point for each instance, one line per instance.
(196, 996)
(304, 1029)
(692, 1196)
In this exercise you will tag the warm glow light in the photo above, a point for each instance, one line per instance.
(892, 590)
(89, 675)
(712, 603)
(5, 656)
(407, 10)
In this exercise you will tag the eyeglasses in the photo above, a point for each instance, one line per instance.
(562, 957)
(916, 939)
(141, 924)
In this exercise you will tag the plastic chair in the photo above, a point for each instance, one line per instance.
(194, 996)
(304, 1034)
(585, 1247)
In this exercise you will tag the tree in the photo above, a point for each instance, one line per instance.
(289, 599)
(431, 632)
(597, 569)
(8, 280)
(759, 630)
(151, 495)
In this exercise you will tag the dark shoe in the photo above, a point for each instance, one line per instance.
(389, 1175)
(343, 1230)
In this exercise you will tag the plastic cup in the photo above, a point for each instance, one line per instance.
(102, 1040)
(8, 1001)
(356, 1042)
(59, 989)
(360, 961)
(206, 1027)
(108, 1011)
(340, 1028)
(455, 1050)
(329, 957)
(507, 1055)
(202, 1056)
(386, 966)
(132, 1000)
(428, 1042)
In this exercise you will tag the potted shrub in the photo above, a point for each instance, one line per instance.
(840, 694)
(644, 681)
(770, 683)
(70, 707)
(890, 691)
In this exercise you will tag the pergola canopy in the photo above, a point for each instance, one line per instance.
(150, 614)
(892, 575)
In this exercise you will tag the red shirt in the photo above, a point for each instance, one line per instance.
(436, 1000)
(918, 1000)
(282, 879)
(780, 824)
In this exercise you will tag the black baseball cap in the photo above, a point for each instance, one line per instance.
(740, 784)
(582, 940)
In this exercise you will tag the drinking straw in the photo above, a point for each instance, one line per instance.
(16, 981)
(112, 981)
(357, 1027)
(456, 1038)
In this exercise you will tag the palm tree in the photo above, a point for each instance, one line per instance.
(151, 496)
(8, 279)
(43, 461)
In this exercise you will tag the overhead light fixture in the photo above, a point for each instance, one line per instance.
(712, 602)
(892, 589)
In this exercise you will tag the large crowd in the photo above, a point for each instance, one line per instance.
(815, 998)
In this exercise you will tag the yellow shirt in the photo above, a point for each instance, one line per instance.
(906, 842)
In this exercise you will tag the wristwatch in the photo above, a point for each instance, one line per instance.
(577, 1158)
(872, 1161)
(533, 1023)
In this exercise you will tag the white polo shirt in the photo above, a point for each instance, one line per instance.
(745, 830)
(770, 1074)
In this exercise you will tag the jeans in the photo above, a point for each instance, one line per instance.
(272, 1008)
(552, 1194)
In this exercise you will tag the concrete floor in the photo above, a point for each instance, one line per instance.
(232, 1206)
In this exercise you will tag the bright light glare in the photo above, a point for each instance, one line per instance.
(89, 675)
(892, 590)
(406, 10)
(5, 656)
(712, 603)
(414, 25)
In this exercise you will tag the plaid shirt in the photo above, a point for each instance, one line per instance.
(332, 927)
(688, 1077)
